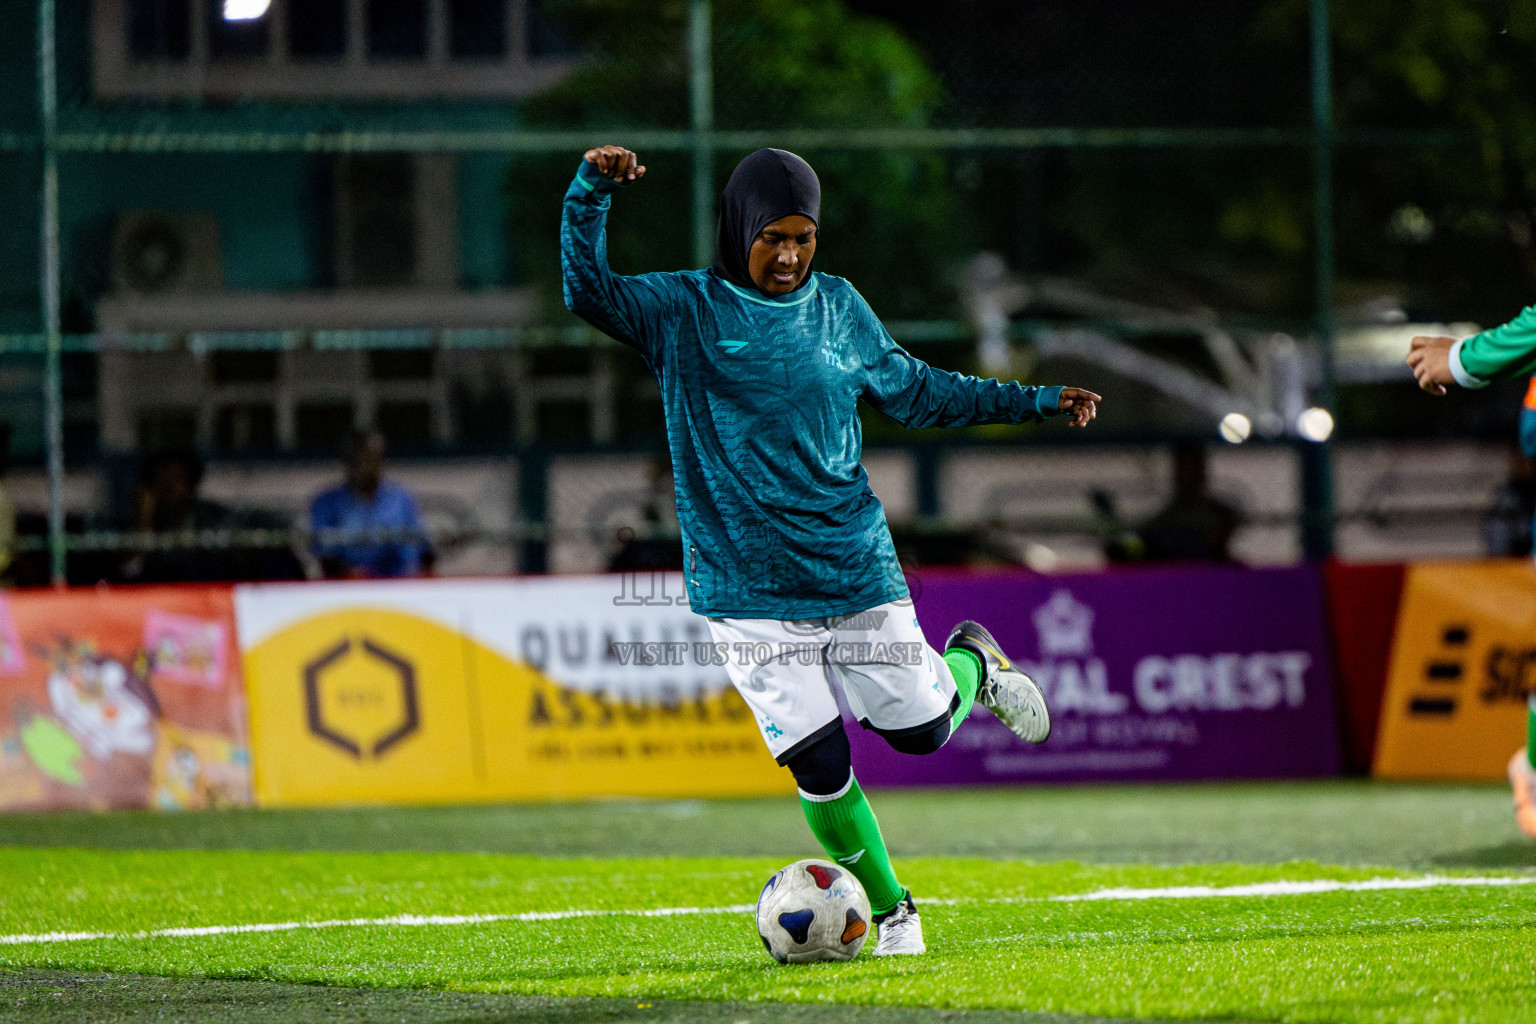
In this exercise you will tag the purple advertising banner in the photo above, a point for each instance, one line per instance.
(1177, 673)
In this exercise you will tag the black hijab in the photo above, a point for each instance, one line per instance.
(768, 185)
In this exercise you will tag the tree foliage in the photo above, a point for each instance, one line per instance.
(1453, 219)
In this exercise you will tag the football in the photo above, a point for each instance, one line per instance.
(813, 910)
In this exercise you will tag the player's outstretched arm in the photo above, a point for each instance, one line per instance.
(1081, 405)
(915, 394)
(625, 308)
(1494, 354)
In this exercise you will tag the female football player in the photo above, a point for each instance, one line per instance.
(762, 364)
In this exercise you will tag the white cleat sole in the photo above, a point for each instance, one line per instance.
(1019, 704)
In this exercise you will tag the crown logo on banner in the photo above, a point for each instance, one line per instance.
(1065, 626)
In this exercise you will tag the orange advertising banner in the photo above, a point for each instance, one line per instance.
(1463, 663)
(121, 698)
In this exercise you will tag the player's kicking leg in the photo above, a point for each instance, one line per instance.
(844, 824)
(1522, 775)
(792, 700)
(1005, 691)
(916, 705)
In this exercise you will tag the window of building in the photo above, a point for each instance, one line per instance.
(397, 28)
(400, 364)
(159, 29)
(235, 367)
(245, 427)
(317, 28)
(477, 28)
(245, 39)
(547, 34)
(406, 425)
(167, 427)
(307, 50)
(376, 199)
(322, 426)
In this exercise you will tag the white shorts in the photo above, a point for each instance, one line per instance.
(894, 682)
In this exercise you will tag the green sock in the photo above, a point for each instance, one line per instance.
(966, 668)
(846, 828)
(1530, 731)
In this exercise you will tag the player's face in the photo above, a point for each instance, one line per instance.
(780, 256)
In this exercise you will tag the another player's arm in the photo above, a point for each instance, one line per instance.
(621, 307)
(918, 395)
(1494, 354)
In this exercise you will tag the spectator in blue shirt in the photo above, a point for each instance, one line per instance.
(381, 527)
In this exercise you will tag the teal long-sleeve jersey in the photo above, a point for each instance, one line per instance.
(760, 396)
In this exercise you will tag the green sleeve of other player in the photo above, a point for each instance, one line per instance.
(1500, 352)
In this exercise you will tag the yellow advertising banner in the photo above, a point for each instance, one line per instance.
(439, 691)
(1463, 661)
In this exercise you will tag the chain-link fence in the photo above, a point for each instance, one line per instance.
(277, 223)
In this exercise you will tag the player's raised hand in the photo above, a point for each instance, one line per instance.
(1430, 357)
(1081, 405)
(616, 162)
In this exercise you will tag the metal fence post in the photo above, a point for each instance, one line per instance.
(701, 117)
(1317, 539)
(53, 379)
(533, 498)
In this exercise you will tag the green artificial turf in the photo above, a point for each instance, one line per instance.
(70, 997)
(1434, 954)
(1338, 822)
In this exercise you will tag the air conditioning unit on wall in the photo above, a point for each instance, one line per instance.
(162, 251)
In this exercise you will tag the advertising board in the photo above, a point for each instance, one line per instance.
(1463, 664)
(1178, 673)
(121, 698)
(439, 691)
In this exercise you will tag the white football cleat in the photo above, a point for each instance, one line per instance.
(1009, 694)
(901, 931)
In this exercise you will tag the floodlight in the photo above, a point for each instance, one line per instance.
(1235, 427)
(245, 10)
(1315, 424)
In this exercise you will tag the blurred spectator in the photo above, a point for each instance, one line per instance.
(1194, 526)
(167, 502)
(1507, 526)
(380, 527)
(1121, 542)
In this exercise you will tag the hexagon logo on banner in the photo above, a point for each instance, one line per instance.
(361, 697)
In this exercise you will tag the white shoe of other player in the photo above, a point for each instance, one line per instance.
(901, 932)
(1009, 694)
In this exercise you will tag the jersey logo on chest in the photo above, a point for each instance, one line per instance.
(732, 345)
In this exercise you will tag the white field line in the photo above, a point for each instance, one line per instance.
(1180, 892)
(1199, 892)
(399, 920)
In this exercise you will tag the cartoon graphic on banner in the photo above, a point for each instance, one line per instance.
(1178, 673)
(90, 717)
(187, 649)
(1463, 666)
(435, 691)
